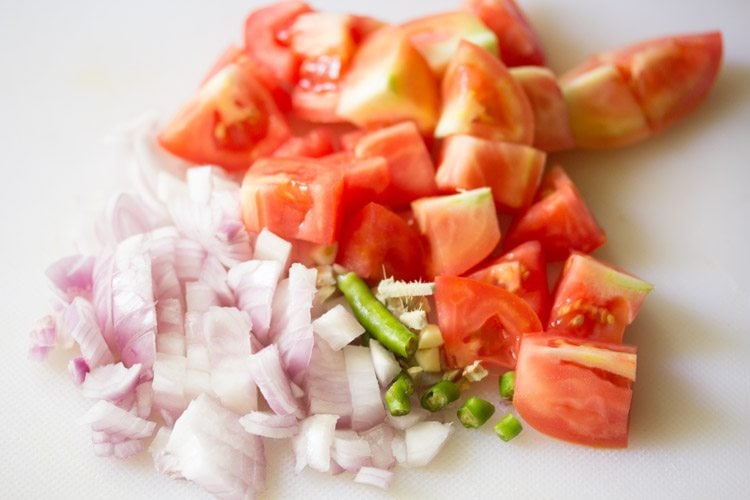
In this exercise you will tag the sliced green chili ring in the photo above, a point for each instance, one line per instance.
(475, 412)
(507, 385)
(508, 428)
(440, 395)
(397, 397)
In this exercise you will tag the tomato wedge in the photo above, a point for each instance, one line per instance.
(231, 121)
(595, 301)
(481, 322)
(313, 144)
(575, 390)
(365, 179)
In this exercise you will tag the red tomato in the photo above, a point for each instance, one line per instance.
(481, 322)
(595, 301)
(522, 271)
(461, 229)
(552, 130)
(412, 174)
(295, 198)
(376, 243)
(365, 179)
(267, 39)
(231, 121)
(574, 390)
(481, 98)
(559, 220)
(513, 171)
(316, 143)
(519, 45)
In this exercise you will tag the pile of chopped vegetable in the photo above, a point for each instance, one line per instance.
(317, 249)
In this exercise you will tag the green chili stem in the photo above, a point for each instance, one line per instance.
(507, 384)
(376, 318)
(475, 412)
(508, 428)
(440, 395)
(398, 394)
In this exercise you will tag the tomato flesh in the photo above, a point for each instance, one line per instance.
(481, 322)
(576, 391)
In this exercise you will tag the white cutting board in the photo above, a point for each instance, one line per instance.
(676, 210)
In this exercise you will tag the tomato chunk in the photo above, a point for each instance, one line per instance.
(481, 322)
(295, 198)
(522, 271)
(574, 390)
(365, 179)
(231, 121)
(376, 243)
(559, 220)
(314, 144)
(595, 301)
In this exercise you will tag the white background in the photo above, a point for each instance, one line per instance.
(675, 209)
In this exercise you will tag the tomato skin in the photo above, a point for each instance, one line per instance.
(559, 220)
(365, 179)
(295, 198)
(568, 400)
(316, 143)
(481, 98)
(519, 44)
(481, 322)
(231, 121)
(376, 243)
(522, 271)
(595, 301)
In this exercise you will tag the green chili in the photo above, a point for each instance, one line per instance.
(507, 384)
(475, 412)
(376, 318)
(508, 428)
(440, 395)
(398, 394)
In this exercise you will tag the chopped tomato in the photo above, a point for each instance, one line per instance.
(267, 39)
(231, 121)
(364, 26)
(410, 167)
(552, 130)
(377, 243)
(519, 44)
(481, 322)
(522, 271)
(295, 198)
(365, 179)
(316, 143)
(461, 229)
(513, 171)
(595, 301)
(481, 98)
(389, 82)
(559, 220)
(574, 390)
(437, 36)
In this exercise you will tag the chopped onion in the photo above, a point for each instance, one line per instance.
(78, 368)
(312, 446)
(214, 274)
(423, 442)
(269, 246)
(170, 327)
(338, 327)
(374, 476)
(380, 438)
(416, 415)
(327, 383)
(367, 403)
(125, 216)
(199, 297)
(350, 450)
(254, 283)
(188, 259)
(114, 421)
(268, 373)
(72, 277)
(79, 319)
(270, 425)
(384, 362)
(43, 338)
(111, 382)
(169, 386)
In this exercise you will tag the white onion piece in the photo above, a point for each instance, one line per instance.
(164, 278)
(416, 415)
(338, 327)
(196, 350)
(43, 338)
(423, 442)
(270, 425)
(199, 297)
(72, 277)
(144, 399)
(214, 274)
(367, 403)
(169, 386)
(111, 382)
(102, 297)
(125, 216)
(384, 361)
(209, 447)
(227, 333)
(380, 438)
(327, 383)
(114, 421)
(188, 259)
(268, 373)
(374, 476)
(79, 319)
(78, 368)
(157, 449)
(350, 450)
(170, 327)
(269, 246)
(254, 283)
(312, 446)
(398, 447)
(291, 323)
(133, 311)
